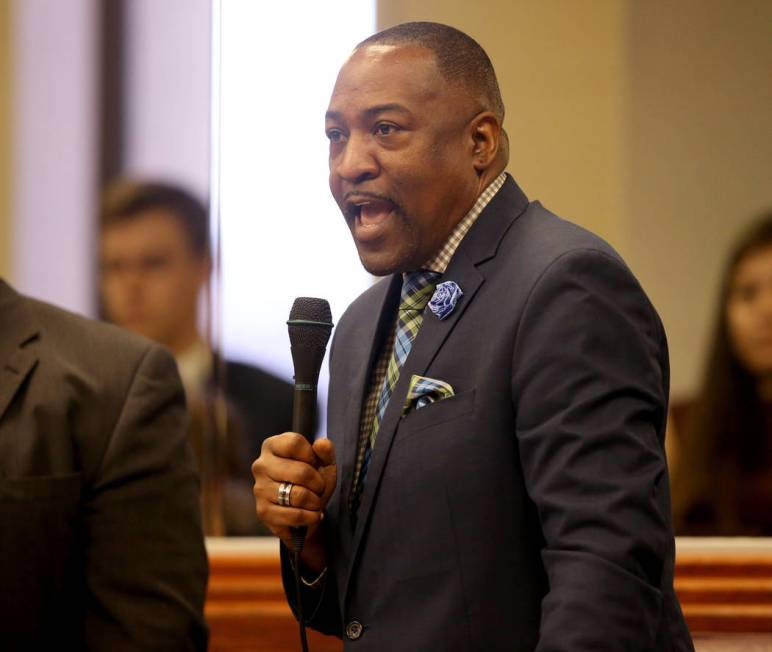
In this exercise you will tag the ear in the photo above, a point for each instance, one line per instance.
(486, 140)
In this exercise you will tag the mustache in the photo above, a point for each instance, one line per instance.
(368, 194)
(359, 194)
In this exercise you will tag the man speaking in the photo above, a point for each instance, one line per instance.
(494, 477)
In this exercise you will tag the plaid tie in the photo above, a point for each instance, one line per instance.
(417, 290)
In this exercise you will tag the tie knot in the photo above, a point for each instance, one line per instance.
(417, 289)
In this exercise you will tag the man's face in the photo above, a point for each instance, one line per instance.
(150, 276)
(401, 155)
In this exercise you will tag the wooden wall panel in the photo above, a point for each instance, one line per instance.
(246, 609)
(723, 590)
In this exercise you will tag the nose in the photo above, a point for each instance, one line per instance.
(356, 161)
(131, 281)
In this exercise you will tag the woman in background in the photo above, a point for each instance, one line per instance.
(722, 480)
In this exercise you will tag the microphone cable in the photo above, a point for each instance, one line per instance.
(296, 563)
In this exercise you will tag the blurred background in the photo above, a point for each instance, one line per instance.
(649, 123)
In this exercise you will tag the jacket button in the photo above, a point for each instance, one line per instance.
(354, 630)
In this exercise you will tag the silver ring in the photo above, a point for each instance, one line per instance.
(285, 488)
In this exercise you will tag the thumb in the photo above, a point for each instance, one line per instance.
(325, 452)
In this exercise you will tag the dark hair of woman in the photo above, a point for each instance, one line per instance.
(726, 437)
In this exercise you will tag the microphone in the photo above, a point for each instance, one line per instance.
(309, 325)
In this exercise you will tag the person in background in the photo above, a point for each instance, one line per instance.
(155, 264)
(101, 546)
(722, 482)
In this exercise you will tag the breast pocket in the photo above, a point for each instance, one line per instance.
(448, 409)
(45, 488)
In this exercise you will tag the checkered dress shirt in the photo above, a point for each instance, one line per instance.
(438, 263)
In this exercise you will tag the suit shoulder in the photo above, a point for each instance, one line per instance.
(539, 239)
(556, 248)
(549, 236)
(94, 348)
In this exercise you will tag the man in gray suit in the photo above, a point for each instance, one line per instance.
(495, 476)
(101, 545)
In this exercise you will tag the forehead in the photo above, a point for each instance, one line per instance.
(758, 261)
(150, 229)
(383, 74)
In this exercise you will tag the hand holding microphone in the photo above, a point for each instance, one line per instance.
(295, 475)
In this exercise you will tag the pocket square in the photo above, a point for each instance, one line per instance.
(423, 391)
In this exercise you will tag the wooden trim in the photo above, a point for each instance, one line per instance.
(725, 590)
(722, 590)
(246, 609)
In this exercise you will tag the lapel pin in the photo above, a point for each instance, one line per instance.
(444, 299)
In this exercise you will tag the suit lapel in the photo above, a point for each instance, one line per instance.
(17, 359)
(479, 245)
(368, 337)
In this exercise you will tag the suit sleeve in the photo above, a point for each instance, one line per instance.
(146, 562)
(320, 606)
(590, 388)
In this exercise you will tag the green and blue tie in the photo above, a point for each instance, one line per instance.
(417, 290)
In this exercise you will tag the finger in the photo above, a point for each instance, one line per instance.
(290, 445)
(276, 517)
(268, 469)
(330, 476)
(303, 498)
(299, 497)
(285, 534)
(324, 450)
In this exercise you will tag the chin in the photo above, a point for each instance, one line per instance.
(382, 263)
(377, 268)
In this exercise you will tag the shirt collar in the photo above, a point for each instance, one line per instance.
(440, 261)
(195, 366)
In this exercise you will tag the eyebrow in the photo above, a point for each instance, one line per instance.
(372, 111)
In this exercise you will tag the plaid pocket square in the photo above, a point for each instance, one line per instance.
(423, 391)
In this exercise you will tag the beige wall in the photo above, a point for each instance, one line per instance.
(699, 159)
(5, 137)
(560, 69)
(647, 122)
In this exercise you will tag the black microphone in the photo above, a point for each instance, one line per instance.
(309, 325)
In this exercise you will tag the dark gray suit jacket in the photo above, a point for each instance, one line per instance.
(531, 510)
(100, 536)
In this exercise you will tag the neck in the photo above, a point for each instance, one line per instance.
(184, 340)
(489, 176)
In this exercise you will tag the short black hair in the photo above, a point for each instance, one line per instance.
(124, 200)
(460, 58)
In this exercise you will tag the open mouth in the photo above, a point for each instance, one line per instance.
(368, 214)
(373, 212)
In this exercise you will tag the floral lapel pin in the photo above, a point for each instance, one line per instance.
(444, 299)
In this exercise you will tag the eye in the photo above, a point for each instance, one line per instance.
(745, 292)
(385, 129)
(113, 267)
(155, 262)
(335, 135)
